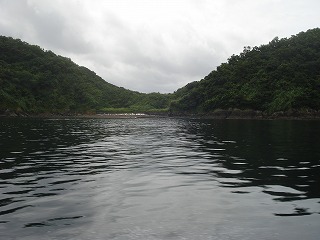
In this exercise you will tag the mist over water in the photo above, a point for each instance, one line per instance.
(159, 179)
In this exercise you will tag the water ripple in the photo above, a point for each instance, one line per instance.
(158, 178)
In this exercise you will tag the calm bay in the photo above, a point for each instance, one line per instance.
(159, 178)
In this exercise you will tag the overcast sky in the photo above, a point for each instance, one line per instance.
(154, 45)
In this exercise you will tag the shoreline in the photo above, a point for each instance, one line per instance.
(253, 114)
(82, 116)
(117, 116)
(217, 114)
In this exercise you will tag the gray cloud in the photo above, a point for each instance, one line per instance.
(42, 25)
(153, 46)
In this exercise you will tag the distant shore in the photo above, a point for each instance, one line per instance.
(217, 114)
(78, 115)
(253, 114)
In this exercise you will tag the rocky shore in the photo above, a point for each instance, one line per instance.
(217, 114)
(252, 114)
(15, 114)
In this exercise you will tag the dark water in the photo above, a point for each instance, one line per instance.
(159, 179)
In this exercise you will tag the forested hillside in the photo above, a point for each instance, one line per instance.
(283, 75)
(36, 81)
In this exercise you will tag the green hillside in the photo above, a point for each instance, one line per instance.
(36, 81)
(283, 75)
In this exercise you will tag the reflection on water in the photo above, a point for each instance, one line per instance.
(159, 179)
(268, 153)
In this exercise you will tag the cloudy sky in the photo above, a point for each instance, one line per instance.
(154, 45)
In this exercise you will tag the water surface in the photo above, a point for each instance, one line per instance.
(159, 179)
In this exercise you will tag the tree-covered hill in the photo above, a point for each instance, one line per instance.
(36, 81)
(283, 75)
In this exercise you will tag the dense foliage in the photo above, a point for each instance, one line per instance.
(33, 80)
(283, 75)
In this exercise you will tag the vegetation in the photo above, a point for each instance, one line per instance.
(36, 81)
(283, 75)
